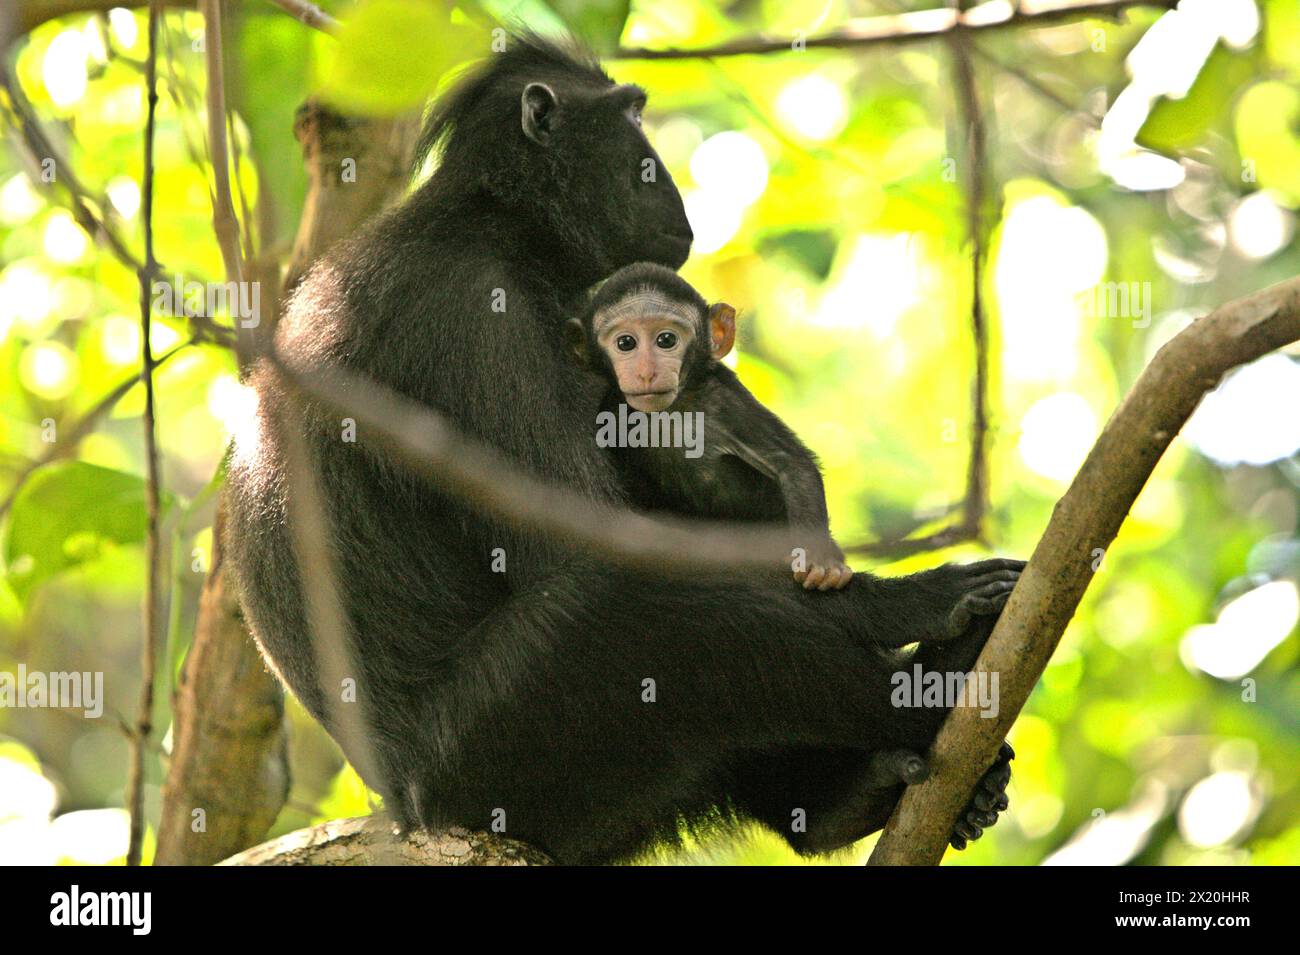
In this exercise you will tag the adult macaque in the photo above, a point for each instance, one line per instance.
(659, 343)
(516, 701)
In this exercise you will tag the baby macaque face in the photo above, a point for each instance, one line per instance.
(648, 339)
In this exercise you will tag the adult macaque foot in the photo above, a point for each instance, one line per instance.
(988, 800)
(945, 601)
(989, 583)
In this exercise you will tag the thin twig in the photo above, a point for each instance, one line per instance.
(897, 548)
(153, 573)
(224, 222)
(897, 30)
(310, 14)
(1037, 85)
(903, 28)
(83, 426)
(971, 119)
(41, 148)
(83, 205)
(244, 209)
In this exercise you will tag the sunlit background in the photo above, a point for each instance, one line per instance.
(1159, 157)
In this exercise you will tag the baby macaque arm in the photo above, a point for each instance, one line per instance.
(750, 432)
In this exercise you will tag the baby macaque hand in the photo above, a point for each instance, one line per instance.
(823, 569)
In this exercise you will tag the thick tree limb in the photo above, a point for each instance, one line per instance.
(228, 746)
(354, 167)
(371, 840)
(1085, 519)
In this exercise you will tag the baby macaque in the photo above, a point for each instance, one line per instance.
(659, 343)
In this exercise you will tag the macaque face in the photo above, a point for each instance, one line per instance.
(647, 339)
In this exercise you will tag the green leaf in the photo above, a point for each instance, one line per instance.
(390, 55)
(1268, 136)
(267, 99)
(598, 22)
(69, 513)
(814, 249)
(1176, 124)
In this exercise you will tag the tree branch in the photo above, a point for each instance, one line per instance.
(1087, 518)
(894, 30)
(370, 840)
(80, 428)
(153, 571)
(32, 13)
(224, 222)
(425, 441)
(903, 28)
(971, 119)
(309, 13)
(40, 147)
(228, 773)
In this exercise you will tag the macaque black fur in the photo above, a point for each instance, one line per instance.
(518, 697)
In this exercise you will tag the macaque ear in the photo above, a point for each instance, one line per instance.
(575, 336)
(722, 329)
(539, 108)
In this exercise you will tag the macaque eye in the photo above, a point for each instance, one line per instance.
(666, 340)
(625, 343)
(634, 113)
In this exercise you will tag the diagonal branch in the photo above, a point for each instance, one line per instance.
(426, 442)
(40, 147)
(80, 428)
(1087, 518)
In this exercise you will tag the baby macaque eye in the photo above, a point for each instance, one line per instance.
(625, 343)
(666, 340)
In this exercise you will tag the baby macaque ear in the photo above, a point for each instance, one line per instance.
(722, 328)
(575, 336)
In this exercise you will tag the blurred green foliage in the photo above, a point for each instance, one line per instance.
(827, 191)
